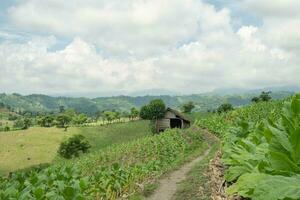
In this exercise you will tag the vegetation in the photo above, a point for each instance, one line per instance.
(196, 186)
(225, 108)
(264, 96)
(121, 168)
(32, 105)
(188, 107)
(154, 110)
(24, 148)
(74, 146)
(260, 145)
(261, 149)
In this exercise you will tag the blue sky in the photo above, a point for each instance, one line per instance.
(121, 47)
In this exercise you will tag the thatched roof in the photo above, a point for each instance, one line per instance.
(179, 114)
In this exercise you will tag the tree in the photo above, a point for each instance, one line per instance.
(61, 109)
(109, 116)
(24, 123)
(2, 105)
(134, 113)
(255, 99)
(265, 96)
(99, 114)
(117, 116)
(224, 108)
(154, 110)
(70, 112)
(63, 121)
(27, 123)
(46, 121)
(80, 119)
(19, 123)
(188, 107)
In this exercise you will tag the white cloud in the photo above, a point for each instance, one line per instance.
(272, 8)
(126, 46)
(134, 27)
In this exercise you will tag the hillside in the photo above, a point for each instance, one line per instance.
(259, 157)
(44, 103)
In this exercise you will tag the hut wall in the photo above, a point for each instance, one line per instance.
(162, 124)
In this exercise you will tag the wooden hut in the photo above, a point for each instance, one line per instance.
(172, 119)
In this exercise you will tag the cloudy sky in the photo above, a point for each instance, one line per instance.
(121, 47)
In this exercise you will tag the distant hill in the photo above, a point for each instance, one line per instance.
(44, 103)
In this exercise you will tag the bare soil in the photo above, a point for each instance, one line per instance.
(168, 185)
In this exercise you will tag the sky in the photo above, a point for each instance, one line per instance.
(113, 47)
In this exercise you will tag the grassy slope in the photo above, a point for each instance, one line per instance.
(103, 136)
(21, 149)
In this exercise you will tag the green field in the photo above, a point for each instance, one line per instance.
(24, 148)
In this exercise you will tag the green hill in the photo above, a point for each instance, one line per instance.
(44, 103)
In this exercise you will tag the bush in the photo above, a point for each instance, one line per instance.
(225, 108)
(74, 146)
(6, 128)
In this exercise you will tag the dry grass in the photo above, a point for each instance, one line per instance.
(24, 148)
(37, 145)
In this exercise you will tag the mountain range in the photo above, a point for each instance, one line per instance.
(44, 103)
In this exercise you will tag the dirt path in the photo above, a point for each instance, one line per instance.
(168, 185)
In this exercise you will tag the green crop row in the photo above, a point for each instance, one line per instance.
(107, 174)
(264, 159)
(261, 149)
(220, 124)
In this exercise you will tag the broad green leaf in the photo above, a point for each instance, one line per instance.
(277, 188)
(295, 106)
(280, 162)
(281, 138)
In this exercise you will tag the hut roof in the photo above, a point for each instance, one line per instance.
(182, 116)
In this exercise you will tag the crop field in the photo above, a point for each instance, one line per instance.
(108, 173)
(261, 145)
(36, 145)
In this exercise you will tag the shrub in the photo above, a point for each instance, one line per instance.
(6, 128)
(225, 108)
(23, 123)
(188, 107)
(74, 146)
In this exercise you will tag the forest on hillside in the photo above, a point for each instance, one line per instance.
(37, 103)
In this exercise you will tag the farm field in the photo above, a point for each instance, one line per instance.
(110, 172)
(36, 145)
(260, 149)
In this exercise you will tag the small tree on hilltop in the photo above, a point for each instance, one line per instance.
(265, 96)
(225, 108)
(255, 99)
(188, 107)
